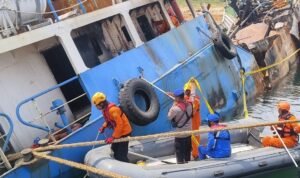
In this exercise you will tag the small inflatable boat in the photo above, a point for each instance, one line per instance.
(156, 158)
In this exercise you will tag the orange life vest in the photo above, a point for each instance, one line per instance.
(110, 121)
(286, 130)
(115, 118)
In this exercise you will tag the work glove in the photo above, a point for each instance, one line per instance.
(101, 129)
(109, 140)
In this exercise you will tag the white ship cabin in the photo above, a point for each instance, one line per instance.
(46, 42)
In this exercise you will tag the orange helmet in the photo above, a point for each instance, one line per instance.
(283, 105)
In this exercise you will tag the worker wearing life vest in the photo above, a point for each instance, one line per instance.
(116, 120)
(288, 132)
(218, 143)
(196, 120)
(181, 114)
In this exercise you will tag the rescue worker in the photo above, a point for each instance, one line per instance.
(196, 120)
(288, 132)
(116, 120)
(218, 143)
(162, 26)
(180, 115)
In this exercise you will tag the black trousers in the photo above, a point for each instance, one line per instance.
(120, 150)
(183, 148)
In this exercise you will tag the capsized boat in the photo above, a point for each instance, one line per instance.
(62, 61)
(269, 29)
(155, 158)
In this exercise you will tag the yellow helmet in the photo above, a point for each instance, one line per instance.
(187, 86)
(98, 98)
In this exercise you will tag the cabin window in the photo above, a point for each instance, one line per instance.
(101, 41)
(149, 21)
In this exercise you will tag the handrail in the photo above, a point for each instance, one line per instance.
(54, 12)
(11, 128)
(35, 96)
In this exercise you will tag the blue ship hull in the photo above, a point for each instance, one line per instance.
(169, 61)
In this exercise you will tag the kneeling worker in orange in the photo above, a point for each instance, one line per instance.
(116, 120)
(288, 132)
(196, 120)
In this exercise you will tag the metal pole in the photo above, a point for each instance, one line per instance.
(53, 10)
(286, 149)
(188, 2)
(44, 120)
(81, 6)
(96, 139)
(159, 89)
(177, 10)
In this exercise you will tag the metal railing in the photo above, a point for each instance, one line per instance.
(54, 12)
(42, 115)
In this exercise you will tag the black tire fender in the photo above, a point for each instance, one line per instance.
(127, 97)
(224, 45)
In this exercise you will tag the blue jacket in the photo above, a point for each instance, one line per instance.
(218, 145)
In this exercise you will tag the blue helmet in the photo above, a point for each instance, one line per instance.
(213, 117)
(178, 92)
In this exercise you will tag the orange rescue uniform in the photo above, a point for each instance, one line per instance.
(116, 119)
(288, 132)
(196, 122)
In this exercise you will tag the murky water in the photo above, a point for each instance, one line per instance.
(264, 107)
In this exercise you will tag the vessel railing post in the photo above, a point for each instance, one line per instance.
(81, 6)
(44, 120)
(18, 109)
(190, 5)
(53, 10)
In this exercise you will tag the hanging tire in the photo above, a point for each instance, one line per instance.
(139, 102)
(224, 45)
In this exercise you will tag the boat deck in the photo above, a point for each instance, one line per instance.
(236, 148)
